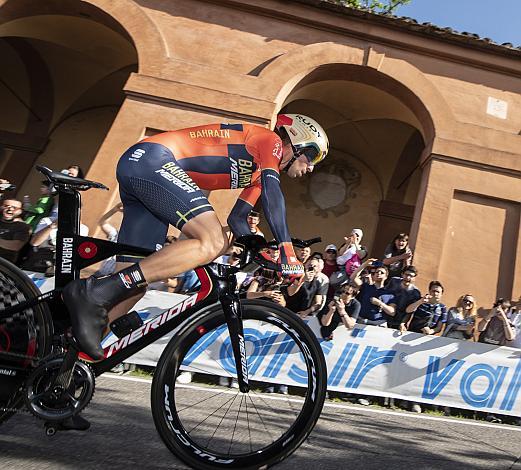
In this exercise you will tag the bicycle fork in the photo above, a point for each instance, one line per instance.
(233, 313)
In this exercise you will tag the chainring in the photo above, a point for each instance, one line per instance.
(47, 401)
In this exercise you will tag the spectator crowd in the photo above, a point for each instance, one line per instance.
(27, 230)
(342, 286)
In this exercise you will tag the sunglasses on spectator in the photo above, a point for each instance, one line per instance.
(331, 251)
(10, 206)
(468, 301)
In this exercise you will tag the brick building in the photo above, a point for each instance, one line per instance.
(423, 122)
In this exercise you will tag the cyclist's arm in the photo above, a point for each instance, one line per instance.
(266, 147)
(238, 218)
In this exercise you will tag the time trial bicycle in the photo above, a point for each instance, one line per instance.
(43, 371)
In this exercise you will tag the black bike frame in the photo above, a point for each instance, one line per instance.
(75, 252)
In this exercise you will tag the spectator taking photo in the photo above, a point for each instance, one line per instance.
(343, 309)
(428, 314)
(461, 319)
(496, 328)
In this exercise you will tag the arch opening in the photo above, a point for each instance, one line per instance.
(62, 87)
(378, 131)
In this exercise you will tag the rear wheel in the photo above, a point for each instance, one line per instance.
(214, 427)
(25, 337)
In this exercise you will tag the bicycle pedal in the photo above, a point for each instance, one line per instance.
(126, 324)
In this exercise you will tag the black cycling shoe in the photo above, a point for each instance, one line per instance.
(89, 318)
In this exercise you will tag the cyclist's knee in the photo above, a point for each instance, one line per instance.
(214, 244)
(208, 230)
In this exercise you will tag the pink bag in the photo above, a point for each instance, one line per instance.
(352, 264)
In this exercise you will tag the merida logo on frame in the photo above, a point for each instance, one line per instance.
(151, 325)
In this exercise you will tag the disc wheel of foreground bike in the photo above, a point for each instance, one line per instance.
(209, 426)
(25, 337)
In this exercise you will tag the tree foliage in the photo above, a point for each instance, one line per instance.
(376, 6)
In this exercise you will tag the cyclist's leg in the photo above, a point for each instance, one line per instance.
(137, 221)
(206, 241)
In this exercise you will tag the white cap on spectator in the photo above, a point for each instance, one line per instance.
(331, 247)
(358, 231)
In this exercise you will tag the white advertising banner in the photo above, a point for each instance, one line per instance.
(45, 284)
(377, 361)
(366, 360)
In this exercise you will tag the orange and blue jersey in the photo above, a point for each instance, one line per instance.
(166, 172)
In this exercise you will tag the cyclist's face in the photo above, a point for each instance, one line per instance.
(300, 167)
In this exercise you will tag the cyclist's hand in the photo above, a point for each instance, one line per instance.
(289, 266)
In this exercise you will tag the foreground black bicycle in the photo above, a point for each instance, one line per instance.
(43, 371)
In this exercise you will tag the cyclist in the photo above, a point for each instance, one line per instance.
(160, 181)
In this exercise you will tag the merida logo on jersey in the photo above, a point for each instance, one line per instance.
(171, 172)
(222, 133)
(240, 173)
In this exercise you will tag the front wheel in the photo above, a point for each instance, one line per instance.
(209, 426)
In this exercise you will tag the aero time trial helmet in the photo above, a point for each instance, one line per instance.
(306, 135)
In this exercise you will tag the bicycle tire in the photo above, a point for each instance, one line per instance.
(165, 407)
(27, 333)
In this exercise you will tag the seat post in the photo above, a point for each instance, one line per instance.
(69, 204)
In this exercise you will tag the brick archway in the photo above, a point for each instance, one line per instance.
(125, 16)
(400, 79)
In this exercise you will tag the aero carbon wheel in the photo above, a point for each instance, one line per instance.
(25, 336)
(214, 427)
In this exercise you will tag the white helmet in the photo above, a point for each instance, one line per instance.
(306, 135)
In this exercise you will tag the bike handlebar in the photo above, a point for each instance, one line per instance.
(252, 245)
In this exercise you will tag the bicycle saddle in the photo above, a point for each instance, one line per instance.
(79, 184)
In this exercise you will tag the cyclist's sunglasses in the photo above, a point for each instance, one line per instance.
(311, 152)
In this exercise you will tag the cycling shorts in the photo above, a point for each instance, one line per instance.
(155, 192)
